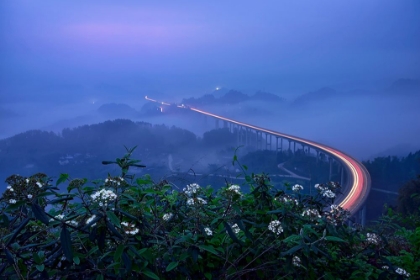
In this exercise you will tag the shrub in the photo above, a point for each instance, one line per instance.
(123, 227)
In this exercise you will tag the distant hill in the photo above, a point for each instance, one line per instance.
(267, 96)
(315, 96)
(231, 97)
(116, 110)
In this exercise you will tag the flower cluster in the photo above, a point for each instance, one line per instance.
(235, 228)
(287, 200)
(313, 214)
(296, 261)
(88, 221)
(9, 188)
(208, 231)
(12, 201)
(372, 238)
(129, 228)
(337, 215)
(103, 197)
(325, 191)
(191, 189)
(235, 189)
(275, 226)
(402, 272)
(61, 217)
(111, 181)
(297, 188)
(197, 200)
(167, 216)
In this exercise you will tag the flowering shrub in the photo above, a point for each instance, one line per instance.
(124, 227)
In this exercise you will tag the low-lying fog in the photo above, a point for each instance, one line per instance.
(364, 123)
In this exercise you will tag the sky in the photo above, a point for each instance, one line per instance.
(58, 53)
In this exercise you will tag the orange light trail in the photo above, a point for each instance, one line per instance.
(360, 186)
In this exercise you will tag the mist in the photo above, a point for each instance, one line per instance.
(61, 62)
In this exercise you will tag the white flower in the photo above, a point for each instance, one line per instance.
(236, 228)
(328, 193)
(201, 201)
(334, 207)
(372, 238)
(402, 272)
(10, 188)
(27, 181)
(296, 261)
(191, 189)
(39, 184)
(106, 180)
(275, 226)
(235, 189)
(90, 220)
(190, 201)
(124, 224)
(167, 216)
(59, 216)
(385, 267)
(208, 231)
(297, 188)
(132, 232)
(311, 213)
(103, 196)
(12, 201)
(73, 223)
(30, 196)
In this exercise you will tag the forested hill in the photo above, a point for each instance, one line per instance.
(41, 151)
(390, 173)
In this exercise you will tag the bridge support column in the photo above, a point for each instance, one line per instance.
(217, 123)
(330, 160)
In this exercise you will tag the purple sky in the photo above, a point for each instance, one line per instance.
(55, 48)
(60, 60)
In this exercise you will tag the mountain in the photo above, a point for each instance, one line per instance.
(315, 96)
(233, 97)
(266, 96)
(115, 110)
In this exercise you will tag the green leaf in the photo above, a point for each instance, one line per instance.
(63, 177)
(114, 219)
(335, 239)
(39, 213)
(127, 261)
(40, 267)
(208, 248)
(118, 253)
(171, 266)
(113, 230)
(208, 275)
(66, 243)
(76, 260)
(150, 274)
(18, 230)
(292, 250)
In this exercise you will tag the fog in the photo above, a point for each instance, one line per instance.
(61, 61)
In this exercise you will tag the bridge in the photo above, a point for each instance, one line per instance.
(355, 189)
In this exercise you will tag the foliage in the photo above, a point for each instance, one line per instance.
(123, 227)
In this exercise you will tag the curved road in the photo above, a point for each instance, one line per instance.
(359, 177)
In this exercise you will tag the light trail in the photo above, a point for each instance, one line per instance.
(360, 179)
